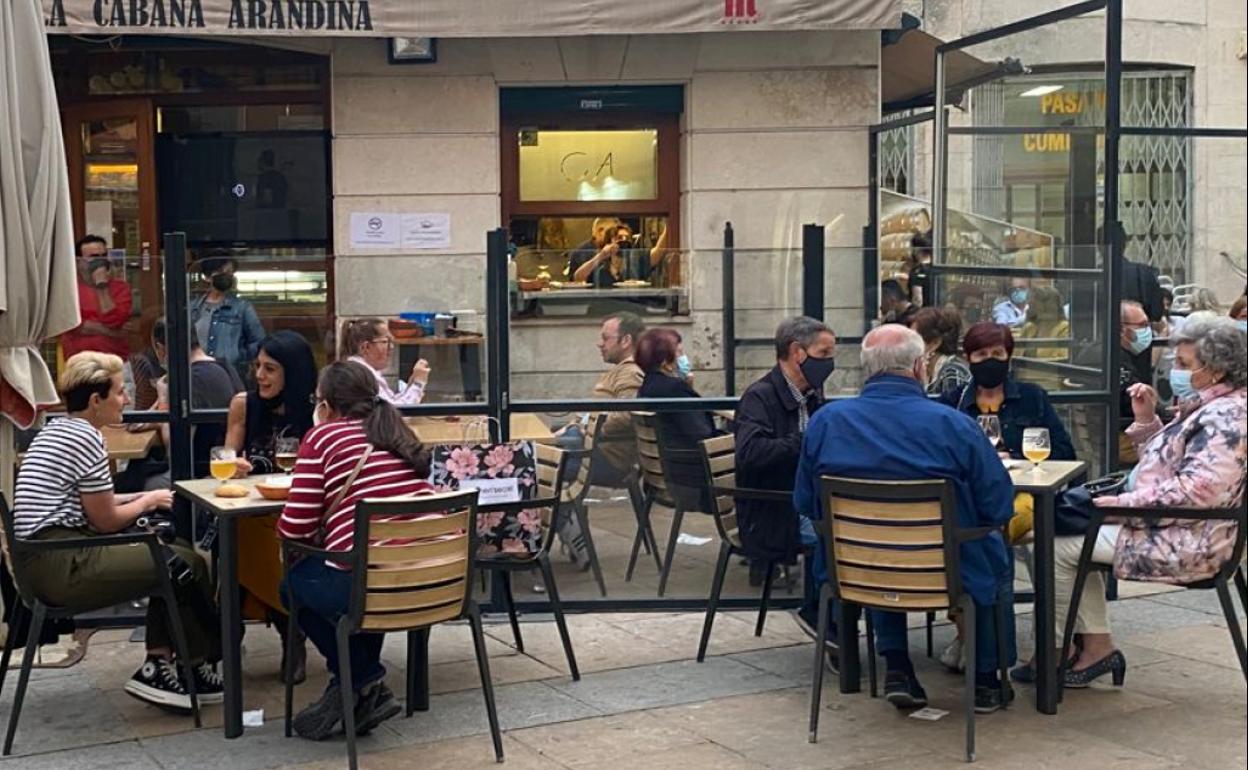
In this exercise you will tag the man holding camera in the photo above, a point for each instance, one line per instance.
(103, 301)
(65, 490)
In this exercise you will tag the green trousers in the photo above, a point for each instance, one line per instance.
(93, 578)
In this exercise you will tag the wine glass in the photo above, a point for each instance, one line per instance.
(990, 424)
(286, 452)
(221, 463)
(1036, 446)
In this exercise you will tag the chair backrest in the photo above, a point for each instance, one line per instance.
(557, 476)
(413, 560)
(719, 457)
(649, 459)
(6, 539)
(892, 544)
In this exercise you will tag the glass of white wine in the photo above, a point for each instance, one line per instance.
(286, 452)
(1036, 446)
(221, 463)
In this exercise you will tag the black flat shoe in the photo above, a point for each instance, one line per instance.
(903, 690)
(1114, 663)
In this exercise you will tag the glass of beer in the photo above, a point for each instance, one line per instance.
(221, 463)
(1036, 446)
(285, 452)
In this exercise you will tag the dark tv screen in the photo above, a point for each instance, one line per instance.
(247, 187)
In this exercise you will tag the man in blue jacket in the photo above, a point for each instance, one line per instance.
(892, 431)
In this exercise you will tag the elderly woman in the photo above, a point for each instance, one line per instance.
(1194, 461)
(368, 341)
(940, 329)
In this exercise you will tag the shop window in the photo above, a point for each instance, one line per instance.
(589, 165)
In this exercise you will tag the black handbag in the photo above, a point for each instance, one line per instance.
(1073, 512)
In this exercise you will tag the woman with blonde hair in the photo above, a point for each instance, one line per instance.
(368, 341)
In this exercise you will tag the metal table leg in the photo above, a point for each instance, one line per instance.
(1046, 641)
(847, 638)
(231, 626)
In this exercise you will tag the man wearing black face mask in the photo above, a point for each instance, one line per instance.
(770, 420)
(227, 324)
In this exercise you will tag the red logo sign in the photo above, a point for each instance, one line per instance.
(740, 12)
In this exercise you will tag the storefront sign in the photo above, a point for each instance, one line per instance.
(459, 18)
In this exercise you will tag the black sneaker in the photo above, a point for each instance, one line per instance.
(209, 686)
(990, 699)
(374, 707)
(321, 719)
(903, 690)
(157, 682)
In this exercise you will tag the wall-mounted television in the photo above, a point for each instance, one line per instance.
(255, 187)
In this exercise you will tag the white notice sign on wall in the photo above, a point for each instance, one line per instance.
(374, 230)
(427, 231)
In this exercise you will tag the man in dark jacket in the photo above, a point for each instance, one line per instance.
(770, 420)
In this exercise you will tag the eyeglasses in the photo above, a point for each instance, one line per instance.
(313, 400)
(383, 341)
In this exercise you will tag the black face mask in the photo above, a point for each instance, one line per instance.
(817, 370)
(990, 372)
(223, 282)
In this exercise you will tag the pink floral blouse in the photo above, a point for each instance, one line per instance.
(1198, 460)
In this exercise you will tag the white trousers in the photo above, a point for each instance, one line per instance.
(1093, 609)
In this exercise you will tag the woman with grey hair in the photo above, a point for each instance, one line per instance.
(1194, 461)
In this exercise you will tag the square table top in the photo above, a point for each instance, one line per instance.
(200, 492)
(475, 429)
(123, 444)
(1052, 475)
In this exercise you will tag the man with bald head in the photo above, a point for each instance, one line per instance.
(893, 432)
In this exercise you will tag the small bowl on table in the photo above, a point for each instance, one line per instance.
(274, 487)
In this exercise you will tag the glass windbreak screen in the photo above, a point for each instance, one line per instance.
(588, 165)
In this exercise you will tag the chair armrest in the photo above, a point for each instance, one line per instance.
(746, 493)
(516, 507)
(91, 541)
(304, 549)
(1153, 513)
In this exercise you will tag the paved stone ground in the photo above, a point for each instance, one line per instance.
(643, 702)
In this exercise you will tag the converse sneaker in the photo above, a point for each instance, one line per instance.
(209, 686)
(157, 682)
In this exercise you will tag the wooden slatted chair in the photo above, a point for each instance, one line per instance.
(654, 490)
(719, 456)
(555, 473)
(574, 497)
(411, 561)
(895, 546)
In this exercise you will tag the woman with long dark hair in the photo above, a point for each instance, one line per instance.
(278, 406)
(359, 449)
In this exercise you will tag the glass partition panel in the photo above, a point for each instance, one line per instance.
(1198, 245)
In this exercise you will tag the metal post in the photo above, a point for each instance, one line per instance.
(1111, 240)
(871, 235)
(940, 175)
(728, 270)
(177, 341)
(812, 270)
(498, 326)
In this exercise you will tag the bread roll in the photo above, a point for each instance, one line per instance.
(231, 490)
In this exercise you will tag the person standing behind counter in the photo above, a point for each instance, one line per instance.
(601, 258)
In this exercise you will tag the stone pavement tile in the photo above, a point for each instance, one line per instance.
(1132, 617)
(61, 710)
(463, 713)
(729, 633)
(1186, 681)
(771, 729)
(793, 663)
(598, 644)
(504, 669)
(702, 755)
(1207, 643)
(474, 753)
(448, 643)
(1187, 734)
(667, 684)
(606, 740)
(1201, 601)
(114, 756)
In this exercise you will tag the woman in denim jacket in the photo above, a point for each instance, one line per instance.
(228, 326)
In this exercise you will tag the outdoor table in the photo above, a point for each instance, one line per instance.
(475, 429)
(1044, 486)
(228, 511)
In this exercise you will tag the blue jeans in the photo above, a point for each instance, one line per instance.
(324, 595)
(815, 572)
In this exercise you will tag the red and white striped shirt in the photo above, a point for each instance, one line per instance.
(327, 455)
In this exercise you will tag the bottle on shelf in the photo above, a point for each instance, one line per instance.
(145, 257)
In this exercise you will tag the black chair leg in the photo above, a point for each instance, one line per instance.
(968, 696)
(931, 618)
(665, 571)
(816, 678)
(762, 605)
(293, 609)
(510, 601)
(642, 504)
(487, 686)
(347, 692)
(1072, 613)
(413, 642)
(1003, 666)
(1232, 623)
(16, 618)
(180, 646)
(582, 518)
(872, 671)
(552, 592)
(1242, 585)
(712, 603)
(38, 613)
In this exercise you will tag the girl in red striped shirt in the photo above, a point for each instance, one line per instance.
(351, 417)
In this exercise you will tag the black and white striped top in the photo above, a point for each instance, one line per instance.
(66, 459)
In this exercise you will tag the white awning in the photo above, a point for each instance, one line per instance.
(460, 18)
